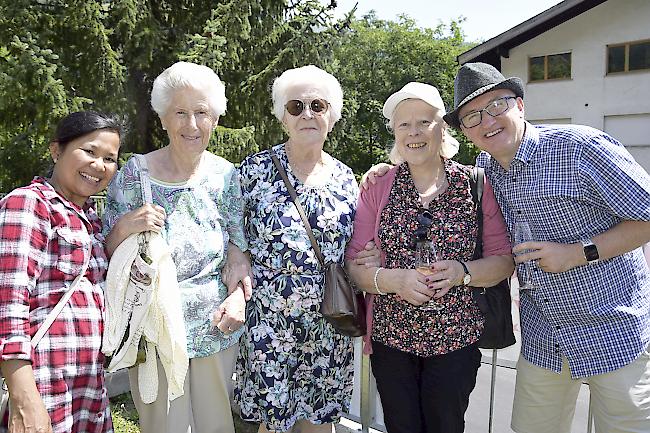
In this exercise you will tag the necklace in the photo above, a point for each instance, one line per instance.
(296, 168)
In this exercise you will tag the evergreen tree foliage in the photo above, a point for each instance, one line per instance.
(375, 59)
(59, 56)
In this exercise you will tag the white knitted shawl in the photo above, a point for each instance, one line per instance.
(163, 325)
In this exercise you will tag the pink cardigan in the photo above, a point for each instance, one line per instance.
(366, 227)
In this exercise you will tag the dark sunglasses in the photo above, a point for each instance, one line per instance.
(425, 220)
(295, 107)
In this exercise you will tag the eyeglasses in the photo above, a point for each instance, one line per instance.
(494, 109)
(318, 106)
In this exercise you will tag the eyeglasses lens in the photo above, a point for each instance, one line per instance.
(295, 107)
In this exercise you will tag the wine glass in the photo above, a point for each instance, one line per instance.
(426, 255)
(524, 234)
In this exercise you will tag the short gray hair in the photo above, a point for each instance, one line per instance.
(313, 76)
(182, 75)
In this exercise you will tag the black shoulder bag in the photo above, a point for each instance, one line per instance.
(494, 302)
(342, 307)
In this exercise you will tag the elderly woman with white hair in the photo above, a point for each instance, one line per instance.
(294, 372)
(197, 208)
(425, 324)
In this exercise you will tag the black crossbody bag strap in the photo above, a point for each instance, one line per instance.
(477, 180)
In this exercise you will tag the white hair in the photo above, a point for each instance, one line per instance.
(309, 75)
(448, 147)
(183, 75)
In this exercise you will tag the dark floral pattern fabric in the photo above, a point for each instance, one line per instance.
(292, 364)
(414, 329)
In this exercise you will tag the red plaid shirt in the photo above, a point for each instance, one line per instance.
(44, 241)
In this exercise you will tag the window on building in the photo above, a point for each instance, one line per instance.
(631, 56)
(551, 67)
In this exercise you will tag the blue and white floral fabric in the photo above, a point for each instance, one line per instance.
(292, 364)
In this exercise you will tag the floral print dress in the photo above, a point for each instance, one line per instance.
(292, 364)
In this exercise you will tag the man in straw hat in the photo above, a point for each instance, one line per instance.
(587, 204)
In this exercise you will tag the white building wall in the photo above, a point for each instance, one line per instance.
(591, 97)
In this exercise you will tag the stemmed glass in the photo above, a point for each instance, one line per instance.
(524, 234)
(426, 255)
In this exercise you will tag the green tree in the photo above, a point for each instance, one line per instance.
(375, 59)
(59, 56)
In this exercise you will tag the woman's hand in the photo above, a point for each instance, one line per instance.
(369, 256)
(231, 314)
(27, 412)
(149, 217)
(370, 177)
(446, 274)
(410, 285)
(29, 416)
(237, 272)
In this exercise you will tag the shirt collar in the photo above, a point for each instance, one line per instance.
(529, 144)
(50, 194)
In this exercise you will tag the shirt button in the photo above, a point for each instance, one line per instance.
(557, 327)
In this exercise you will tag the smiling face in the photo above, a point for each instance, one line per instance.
(307, 128)
(500, 136)
(418, 132)
(189, 121)
(85, 165)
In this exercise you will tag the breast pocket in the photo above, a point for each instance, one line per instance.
(73, 248)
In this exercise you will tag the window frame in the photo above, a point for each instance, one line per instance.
(626, 61)
(545, 57)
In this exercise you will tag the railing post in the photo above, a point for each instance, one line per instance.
(492, 386)
(365, 394)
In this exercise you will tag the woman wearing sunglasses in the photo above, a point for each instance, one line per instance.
(294, 372)
(425, 325)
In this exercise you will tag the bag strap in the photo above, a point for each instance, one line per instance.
(51, 317)
(301, 211)
(145, 182)
(476, 182)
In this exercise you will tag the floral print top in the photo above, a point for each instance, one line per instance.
(415, 329)
(203, 215)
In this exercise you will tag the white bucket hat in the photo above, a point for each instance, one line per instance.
(431, 96)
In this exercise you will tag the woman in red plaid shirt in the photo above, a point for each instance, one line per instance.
(48, 230)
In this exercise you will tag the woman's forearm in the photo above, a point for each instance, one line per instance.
(488, 271)
(19, 377)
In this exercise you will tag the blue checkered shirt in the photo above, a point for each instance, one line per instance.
(571, 183)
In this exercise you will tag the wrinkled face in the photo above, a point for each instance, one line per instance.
(308, 127)
(189, 121)
(86, 165)
(418, 132)
(498, 135)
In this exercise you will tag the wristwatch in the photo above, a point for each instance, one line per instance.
(468, 277)
(590, 251)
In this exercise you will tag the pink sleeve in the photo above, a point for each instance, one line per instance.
(495, 234)
(364, 221)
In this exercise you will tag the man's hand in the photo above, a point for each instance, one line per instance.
(237, 272)
(370, 178)
(550, 256)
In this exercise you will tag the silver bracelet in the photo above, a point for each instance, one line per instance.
(374, 280)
